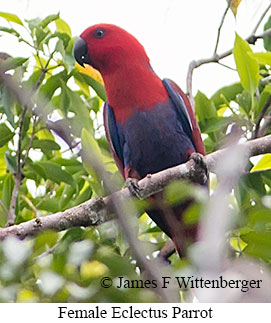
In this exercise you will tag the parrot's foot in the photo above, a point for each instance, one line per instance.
(132, 185)
(167, 251)
(200, 172)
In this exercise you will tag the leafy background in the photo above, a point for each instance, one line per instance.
(68, 266)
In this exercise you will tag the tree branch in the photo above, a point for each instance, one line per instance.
(24, 97)
(215, 58)
(260, 117)
(18, 176)
(220, 26)
(261, 19)
(97, 211)
(20, 164)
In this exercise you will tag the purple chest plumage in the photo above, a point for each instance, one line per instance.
(154, 140)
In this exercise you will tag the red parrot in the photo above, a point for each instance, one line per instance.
(149, 122)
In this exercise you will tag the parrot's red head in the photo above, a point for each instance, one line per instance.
(107, 47)
(130, 82)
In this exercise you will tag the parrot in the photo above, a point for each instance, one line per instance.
(149, 122)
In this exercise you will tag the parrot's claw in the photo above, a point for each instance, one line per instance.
(201, 171)
(133, 187)
(166, 252)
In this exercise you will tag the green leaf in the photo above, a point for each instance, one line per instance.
(7, 190)
(55, 173)
(61, 36)
(83, 196)
(244, 100)
(263, 164)
(66, 196)
(259, 244)
(65, 98)
(40, 34)
(63, 27)
(177, 192)
(8, 104)
(250, 187)
(260, 220)
(97, 87)
(82, 118)
(45, 144)
(46, 21)
(262, 58)
(84, 87)
(91, 153)
(152, 230)
(44, 240)
(94, 103)
(45, 134)
(12, 62)
(11, 17)
(192, 214)
(5, 134)
(32, 24)
(229, 92)
(33, 78)
(267, 40)
(53, 83)
(10, 31)
(264, 96)
(49, 205)
(205, 108)
(11, 162)
(67, 162)
(215, 124)
(247, 66)
(69, 61)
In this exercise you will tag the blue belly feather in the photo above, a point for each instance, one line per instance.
(154, 140)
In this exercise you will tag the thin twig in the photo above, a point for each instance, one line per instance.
(30, 204)
(261, 19)
(220, 26)
(215, 59)
(44, 70)
(260, 117)
(20, 164)
(227, 66)
(46, 253)
(18, 177)
(35, 122)
(265, 80)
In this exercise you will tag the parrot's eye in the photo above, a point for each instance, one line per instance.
(99, 33)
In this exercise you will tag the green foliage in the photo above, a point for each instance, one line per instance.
(54, 176)
(231, 111)
(58, 146)
(247, 65)
(267, 40)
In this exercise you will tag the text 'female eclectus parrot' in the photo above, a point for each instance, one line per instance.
(149, 122)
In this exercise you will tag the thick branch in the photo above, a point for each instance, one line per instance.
(98, 211)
